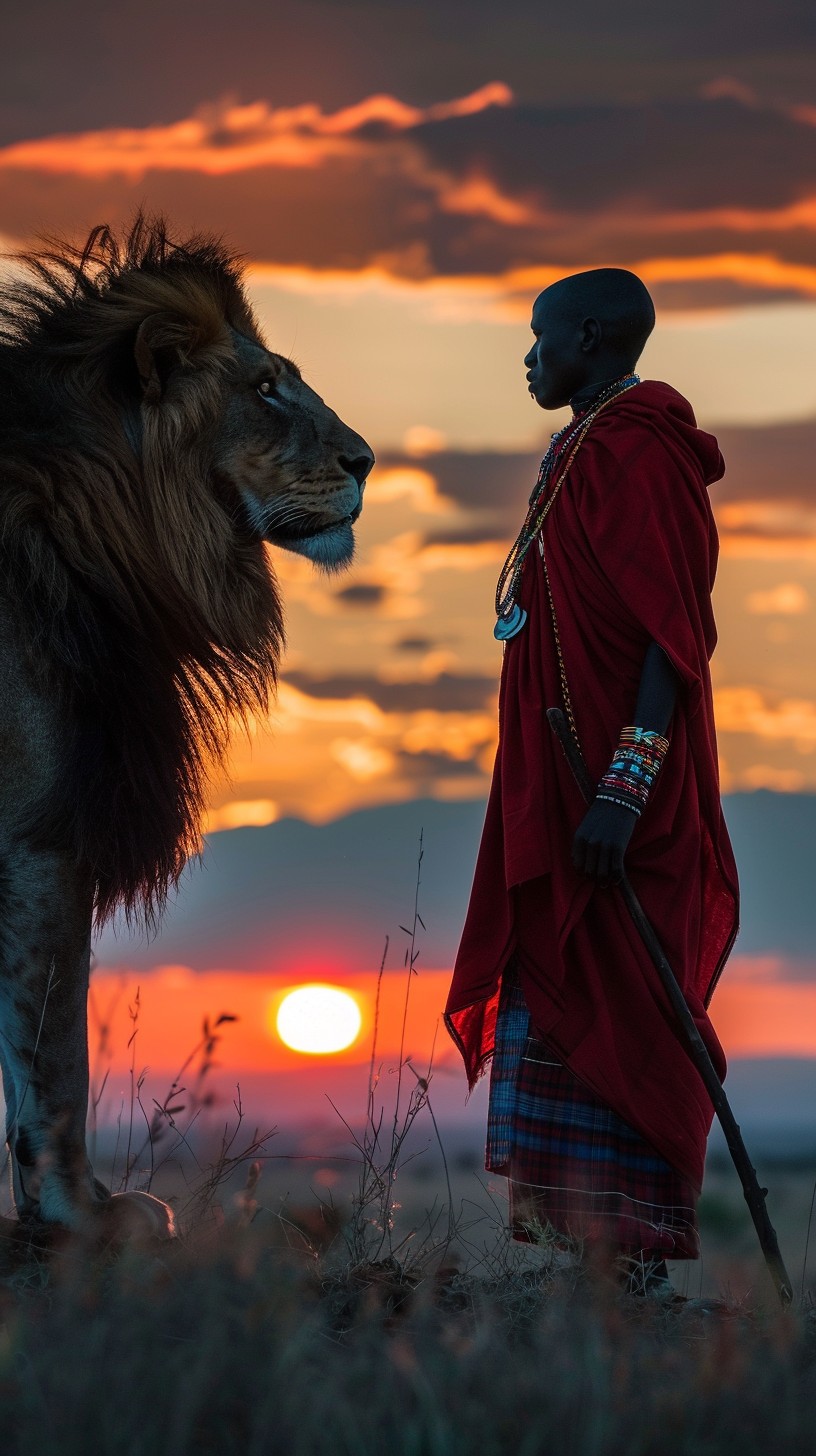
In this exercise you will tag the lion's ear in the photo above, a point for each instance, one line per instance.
(157, 353)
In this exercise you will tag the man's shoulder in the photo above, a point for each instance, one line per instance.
(637, 421)
(654, 422)
(651, 405)
(655, 394)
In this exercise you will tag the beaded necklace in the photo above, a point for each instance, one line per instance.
(510, 617)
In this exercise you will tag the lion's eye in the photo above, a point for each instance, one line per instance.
(268, 390)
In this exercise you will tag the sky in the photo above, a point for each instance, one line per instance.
(401, 180)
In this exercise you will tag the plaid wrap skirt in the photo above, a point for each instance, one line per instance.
(577, 1173)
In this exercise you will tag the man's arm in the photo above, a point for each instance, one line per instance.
(604, 833)
(657, 693)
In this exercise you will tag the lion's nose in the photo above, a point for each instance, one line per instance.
(359, 466)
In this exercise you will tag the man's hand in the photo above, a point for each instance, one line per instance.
(602, 840)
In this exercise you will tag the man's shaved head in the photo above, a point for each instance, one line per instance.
(619, 301)
(589, 328)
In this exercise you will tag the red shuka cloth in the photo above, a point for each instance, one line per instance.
(631, 550)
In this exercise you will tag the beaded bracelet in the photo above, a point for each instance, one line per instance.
(630, 777)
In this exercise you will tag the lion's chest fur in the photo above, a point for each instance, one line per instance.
(29, 730)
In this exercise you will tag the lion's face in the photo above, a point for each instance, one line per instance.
(297, 470)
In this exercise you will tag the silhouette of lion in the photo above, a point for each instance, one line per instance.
(150, 444)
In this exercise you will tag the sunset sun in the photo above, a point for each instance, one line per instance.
(318, 1019)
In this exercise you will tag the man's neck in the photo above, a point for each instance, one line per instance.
(583, 398)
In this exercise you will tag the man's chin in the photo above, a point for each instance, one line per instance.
(546, 401)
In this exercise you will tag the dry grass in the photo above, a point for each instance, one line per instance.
(264, 1332)
(229, 1343)
(336, 1329)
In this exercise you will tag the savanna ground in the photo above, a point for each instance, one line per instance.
(370, 1302)
(354, 1292)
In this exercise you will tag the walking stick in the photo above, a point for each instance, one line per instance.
(754, 1195)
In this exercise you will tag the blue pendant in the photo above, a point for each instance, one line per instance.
(510, 625)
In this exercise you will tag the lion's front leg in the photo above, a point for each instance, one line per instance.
(46, 927)
(46, 1060)
(45, 930)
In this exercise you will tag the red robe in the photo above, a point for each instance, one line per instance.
(631, 550)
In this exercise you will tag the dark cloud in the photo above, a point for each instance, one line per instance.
(427, 767)
(338, 217)
(772, 462)
(362, 594)
(470, 535)
(479, 480)
(508, 187)
(717, 293)
(88, 64)
(252, 906)
(255, 904)
(769, 462)
(414, 644)
(689, 156)
(447, 693)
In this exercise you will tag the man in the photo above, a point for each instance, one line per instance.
(597, 1116)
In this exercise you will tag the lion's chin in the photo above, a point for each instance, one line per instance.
(330, 550)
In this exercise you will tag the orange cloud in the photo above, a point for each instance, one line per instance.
(768, 530)
(224, 139)
(372, 185)
(799, 214)
(787, 599)
(478, 196)
(239, 812)
(728, 87)
(362, 758)
(409, 483)
(421, 440)
(318, 757)
(755, 547)
(462, 555)
(768, 776)
(400, 117)
(805, 114)
(747, 710)
(762, 270)
(506, 293)
(229, 138)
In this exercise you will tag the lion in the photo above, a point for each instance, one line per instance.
(150, 446)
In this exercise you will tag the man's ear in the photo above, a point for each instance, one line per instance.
(591, 335)
(157, 352)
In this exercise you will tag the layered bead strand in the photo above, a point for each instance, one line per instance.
(510, 617)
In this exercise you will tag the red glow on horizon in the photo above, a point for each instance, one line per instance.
(753, 1018)
(174, 1000)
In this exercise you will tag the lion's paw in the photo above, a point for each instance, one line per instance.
(139, 1218)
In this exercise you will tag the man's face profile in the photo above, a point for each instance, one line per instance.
(555, 362)
(589, 328)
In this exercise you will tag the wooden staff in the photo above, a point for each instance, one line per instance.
(754, 1195)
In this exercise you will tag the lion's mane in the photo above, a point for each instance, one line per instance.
(149, 617)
